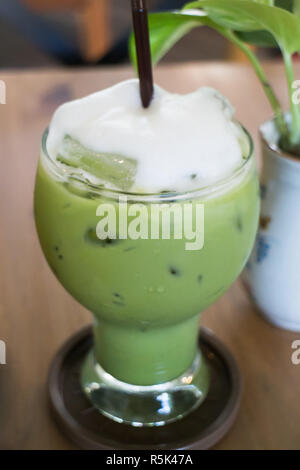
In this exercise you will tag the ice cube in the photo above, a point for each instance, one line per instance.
(115, 169)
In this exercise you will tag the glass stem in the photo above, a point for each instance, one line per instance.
(140, 355)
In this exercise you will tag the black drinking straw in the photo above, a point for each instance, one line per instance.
(141, 33)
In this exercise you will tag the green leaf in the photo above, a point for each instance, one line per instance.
(258, 38)
(249, 16)
(165, 30)
(286, 4)
(264, 38)
(265, 2)
(296, 7)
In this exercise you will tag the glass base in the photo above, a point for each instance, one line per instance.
(151, 405)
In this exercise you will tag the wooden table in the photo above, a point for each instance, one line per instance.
(37, 315)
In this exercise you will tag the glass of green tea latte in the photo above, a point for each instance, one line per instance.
(146, 243)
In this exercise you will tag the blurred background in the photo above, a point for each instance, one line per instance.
(43, 33)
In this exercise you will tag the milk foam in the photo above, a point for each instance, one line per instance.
(179, 142)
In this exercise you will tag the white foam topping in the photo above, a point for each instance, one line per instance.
(179, 142)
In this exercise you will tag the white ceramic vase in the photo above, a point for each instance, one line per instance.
(272, 274)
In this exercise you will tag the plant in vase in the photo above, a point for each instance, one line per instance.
(273, 271)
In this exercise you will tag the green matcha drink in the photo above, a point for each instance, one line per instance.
(146, 294)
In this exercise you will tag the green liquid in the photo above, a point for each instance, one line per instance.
(146, 295)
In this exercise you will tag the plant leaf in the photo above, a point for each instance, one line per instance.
(286, 4)
(166, 29)
(296, 7)
(249, 16)
(265, 2)
(258, 38)
(264, 38)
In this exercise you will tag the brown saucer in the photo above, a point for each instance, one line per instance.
(87, 428)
